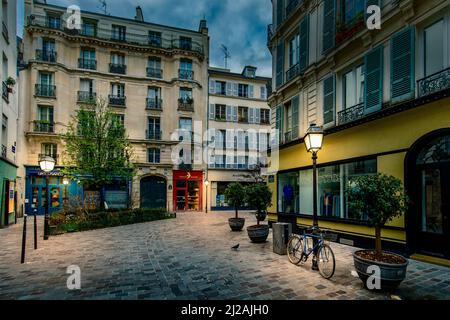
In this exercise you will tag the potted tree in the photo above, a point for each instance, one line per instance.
(258, 196)
(10, 82)
(379, 198)
(235, 196)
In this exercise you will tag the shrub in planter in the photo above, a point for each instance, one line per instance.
(258, 196)
(235, 196)
(380, 198)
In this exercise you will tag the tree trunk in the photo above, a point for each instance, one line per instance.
(257, 218)
(378, 241)
(236, 211)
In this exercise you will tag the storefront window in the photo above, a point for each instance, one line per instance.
(288, 193)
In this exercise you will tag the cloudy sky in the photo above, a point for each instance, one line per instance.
(238, 24)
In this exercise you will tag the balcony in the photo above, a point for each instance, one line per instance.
(153, 135)
(5, 32)
(46, 55)
(186, 104)
(44, 90)
(52, 155)
(154, 73)
(185, 74)
(117, 68)
(436, 82)
(5, 92)
(90, 64)
(41, 126)
(154, 104)
(86, 97)
(117, 101)
(351, 114)
(292, 72)
(4, 151)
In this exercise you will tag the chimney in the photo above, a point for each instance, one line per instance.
(203, 27)
(139, 16)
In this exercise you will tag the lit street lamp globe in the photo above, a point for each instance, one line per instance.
(314, 138)
(47, 163)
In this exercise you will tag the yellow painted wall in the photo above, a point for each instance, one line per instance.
(391, 134)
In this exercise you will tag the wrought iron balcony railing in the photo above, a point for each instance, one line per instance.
(154, 104)
(434, 83)
(46, 55)
(117, 68)
(105, 34)
(5, 92)
(5, 32)
(86, 97)
(186, 74)
(351, 114)
(186, 104)
(45, 90)
(90, 64)
(154, 73)
(292, 72)
(117, 101)
(153, 135)
(43, 126)
(4, 151)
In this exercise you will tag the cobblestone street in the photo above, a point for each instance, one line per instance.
(185, 258)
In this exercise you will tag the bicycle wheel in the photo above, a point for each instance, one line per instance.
(295, 249)
(325, 261)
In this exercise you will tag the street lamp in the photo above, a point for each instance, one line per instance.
(313, 142)
(206, 201)
(47, 165)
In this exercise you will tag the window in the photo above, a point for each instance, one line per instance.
(353, 11)
(89, 28)
(221, 87)
(154, 98)
(118, 33)
(219, 161)
(87, 59)
(219, 142)
(87, 90)
(118, 89)
(53, 22)
(263, 93)
(48, 50)
(45, 119)
(154, 155)
(4, 135)
(265, 116)
(118, 119)
(434, 48)
(117, 58)
(50, 150)
(288, 193)
(221, 112)
(243, 90)
(186, 72)
(353, 87)
(185, 43)
(154, 38)
(45, 87)
(294, 50)
(154, 68)
(185, 94)
(154, 92)
(154, 128)
(46, 79)
(185, 128)
(243, 114)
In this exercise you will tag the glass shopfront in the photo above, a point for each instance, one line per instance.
(295, 189)
(188, 190)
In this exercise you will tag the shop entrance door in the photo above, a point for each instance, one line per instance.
(39, 199)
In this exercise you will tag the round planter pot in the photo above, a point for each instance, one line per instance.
(391, 274)
(258, 234)
(236, 224)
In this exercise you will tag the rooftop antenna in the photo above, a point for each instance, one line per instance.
(103, 6)
(226, 54)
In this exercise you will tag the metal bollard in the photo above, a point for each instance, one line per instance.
(24, 238)
(35, 231)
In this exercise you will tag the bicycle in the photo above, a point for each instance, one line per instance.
(299, 251)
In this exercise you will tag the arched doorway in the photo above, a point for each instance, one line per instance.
(428, 184)
(153, 192)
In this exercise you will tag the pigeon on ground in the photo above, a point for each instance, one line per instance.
(235, 247)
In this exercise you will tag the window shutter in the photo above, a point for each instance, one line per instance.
(212, 111)
(304, 43)
(329, 25)
(235, 89)
(251, 91)
(251, 115)
(229, 86)
(280, 11)
(229, 113)
(295, 116)
(280, 64)
(373, 95)
(212, 87)
(402, 65)
(279, 123)
(257, 115)
(263, 93)
(328, 99)
(230, 139)
(235, 113)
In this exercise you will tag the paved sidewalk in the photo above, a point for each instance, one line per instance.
(185, 258)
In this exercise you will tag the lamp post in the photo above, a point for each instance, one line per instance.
(206, 200)
(313, 142)
(47, 165)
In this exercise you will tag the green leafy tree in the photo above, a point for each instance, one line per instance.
(235, 196)
(97, 147)
(258, 196)
(379, 197)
